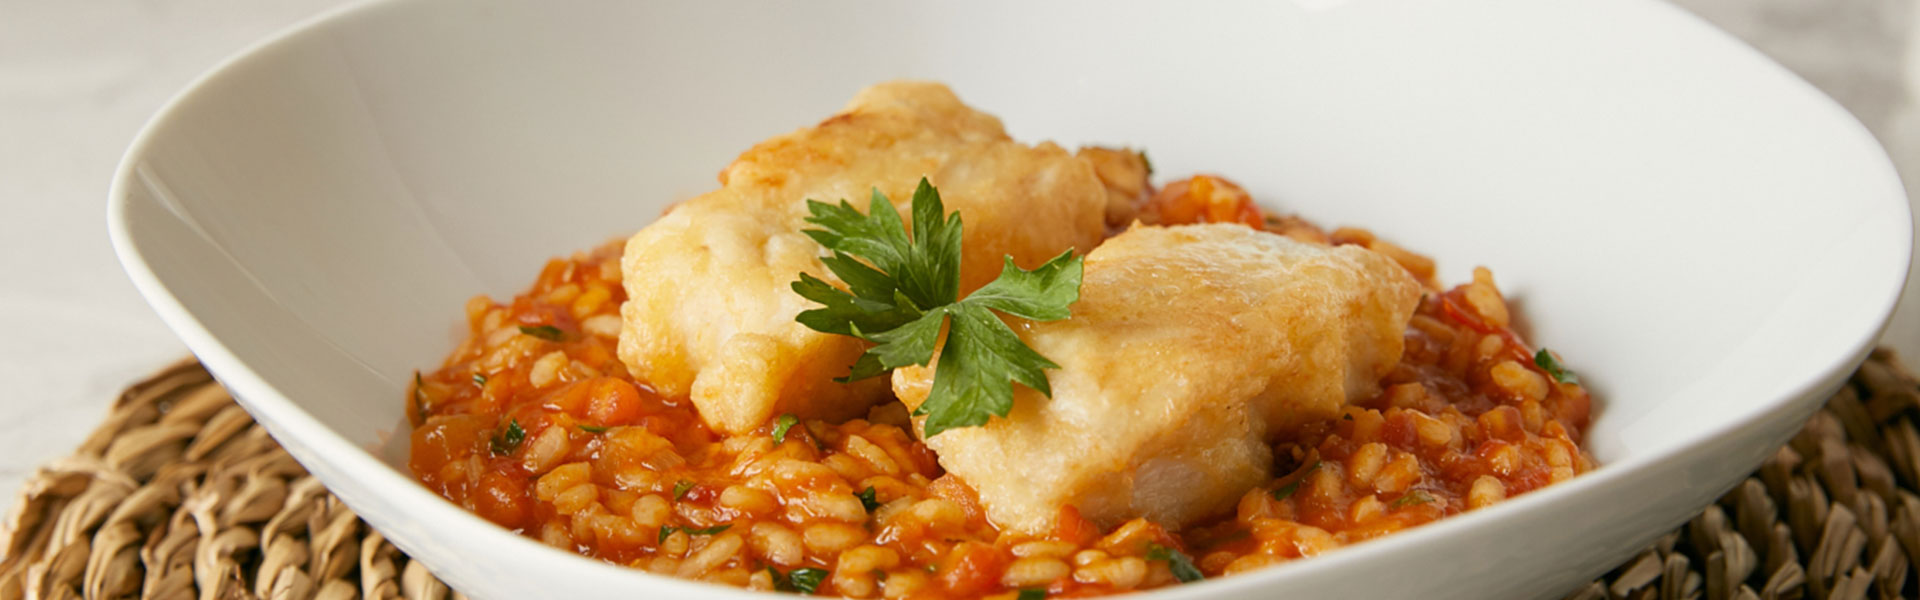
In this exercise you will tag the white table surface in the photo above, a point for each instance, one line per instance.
(79, 77)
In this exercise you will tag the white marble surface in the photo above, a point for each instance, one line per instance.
(79, 77)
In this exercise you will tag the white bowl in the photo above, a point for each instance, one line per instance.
(1710, 242)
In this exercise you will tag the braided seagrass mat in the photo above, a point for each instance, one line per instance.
(179, 494)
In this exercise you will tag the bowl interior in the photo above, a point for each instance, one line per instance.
(1700, 235)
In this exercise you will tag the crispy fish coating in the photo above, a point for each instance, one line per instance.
(1125, 173)
(709, 311)
(1191, 348)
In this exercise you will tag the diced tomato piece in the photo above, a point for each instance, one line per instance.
(1398, 431)
(612, 402)
(952, 488)
(1071, 527)
(443, 440)
(973, 569)
(1206, 199)
(503, 499)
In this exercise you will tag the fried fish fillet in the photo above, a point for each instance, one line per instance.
(1190, 348)
(709, 311)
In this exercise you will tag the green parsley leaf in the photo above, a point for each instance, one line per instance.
(1412, 498)
(908, 344)
(868, 498)
(887, 290)
(545, 332)
(1177, 561)
(1282, 492)
(1038, 295)
(592, 429)
(980, 356)
(938, 278)
(804, 581)
(680, 488)
(781, 426)
(844, 312)
(1552, 366)
(1032, 594)
(509, 439)
(479, 380)
(1144, 161)
(903, 290)
(868, 365)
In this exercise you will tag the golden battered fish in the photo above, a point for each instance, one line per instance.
(709, 311)
(1191, 348)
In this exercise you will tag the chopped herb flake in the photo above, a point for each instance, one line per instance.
(592, 429)
(545, 332)
(902, 290)
(669, 529)
(1032, 594)
(509, 439)
(680, 488)
(1285, 491)
(479, 380)
(804, 581)
(1177, 561)
(1548, 363)
(807, 579)
(708, 531)
(1412, 498)
(419, 397)
(1282, 492)
(1147, 163)
(868, 498)
(780, 427)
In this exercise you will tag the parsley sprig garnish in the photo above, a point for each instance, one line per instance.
(901, 289)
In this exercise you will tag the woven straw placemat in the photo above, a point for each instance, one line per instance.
(180, 495)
